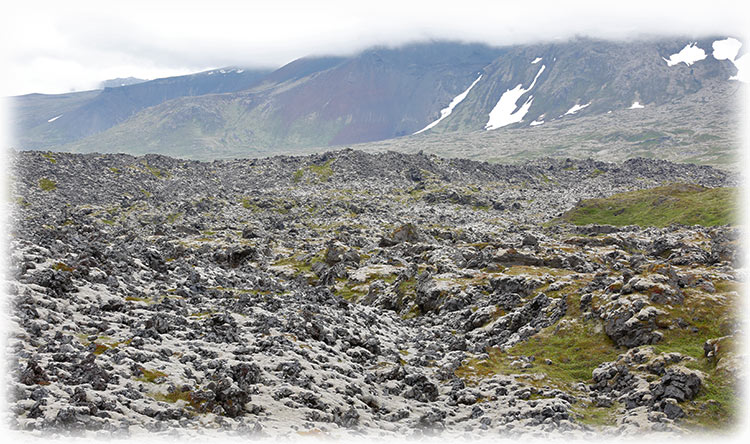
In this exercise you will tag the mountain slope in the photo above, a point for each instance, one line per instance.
(380, 93)
(584, 77)
(387, 93)
(91, 112)
(699, 128)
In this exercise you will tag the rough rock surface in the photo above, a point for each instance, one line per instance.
(343, 294)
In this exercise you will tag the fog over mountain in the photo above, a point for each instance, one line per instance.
(55, 48)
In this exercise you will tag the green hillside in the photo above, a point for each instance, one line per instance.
(658, 207)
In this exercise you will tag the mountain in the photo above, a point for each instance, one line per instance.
(584, 77)
(47, 120)
(419, 90)
(120, 81)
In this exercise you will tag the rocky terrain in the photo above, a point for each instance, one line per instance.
(353, 294)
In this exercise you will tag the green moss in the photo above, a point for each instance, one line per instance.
(575, 350)
(350, 294)
(47, 184)
(60, 266)
(676, 203)
(49, 157)
(172, 218)
(149, 375)
(179, 395)
(297, 176)
(100, 348)
(709, 317)
(323, 172)
(302, 265)
(137, 299)
(407, 287)
(156, 172)
(317, 173)
(586, 413)
(597, 172)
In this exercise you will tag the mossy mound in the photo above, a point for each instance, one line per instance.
(658, 207)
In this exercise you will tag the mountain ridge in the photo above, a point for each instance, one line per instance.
(388, 93)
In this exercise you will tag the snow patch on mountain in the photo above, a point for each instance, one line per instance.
(536, 123)
(504, 113)
(636, 105)
(690, 54)
(536, 60)
(54, 118)
(576, 108)
(728, 49)
(445, 112)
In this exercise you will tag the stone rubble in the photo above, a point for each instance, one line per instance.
(342, 294)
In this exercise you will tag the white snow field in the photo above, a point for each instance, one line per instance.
(576, 108)
(690, 54)
(505, 112)
(445, 112)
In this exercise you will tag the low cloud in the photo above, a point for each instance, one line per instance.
(62, 46)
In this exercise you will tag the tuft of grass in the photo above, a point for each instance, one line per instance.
(47, 184)
(685, 204)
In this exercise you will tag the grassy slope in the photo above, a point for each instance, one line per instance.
(659, 207)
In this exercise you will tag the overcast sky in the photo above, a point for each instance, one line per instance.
(61, 46)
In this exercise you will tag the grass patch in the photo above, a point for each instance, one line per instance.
(716, 405)
(595, 416)
(179, 395)
(173, 217)
(149, 375)
(573, 347)
(60, 266)
(156, 172)
(658, 207)
(297, 176)
(318, 173)
(47, 184)
(49, 157)
(574, 350)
